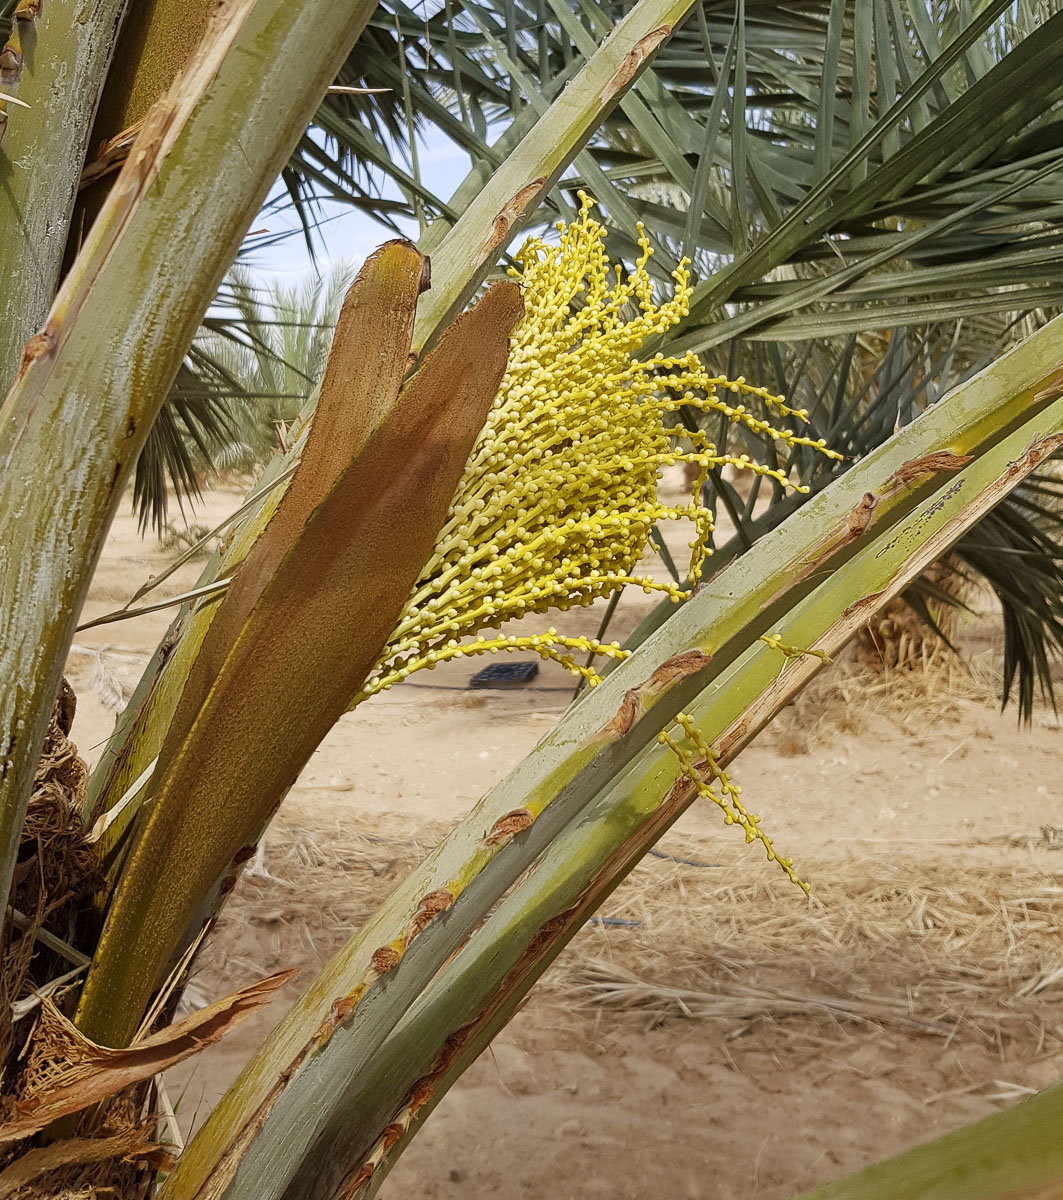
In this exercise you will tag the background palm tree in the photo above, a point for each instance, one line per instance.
(250, 370)
(870, 194)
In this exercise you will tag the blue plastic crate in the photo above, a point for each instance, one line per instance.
(505, 675)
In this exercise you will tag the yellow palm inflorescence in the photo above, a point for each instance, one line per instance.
(560, 494)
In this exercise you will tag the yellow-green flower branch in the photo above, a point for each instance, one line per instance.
(561, 492)
(703, 770)
(776, 643)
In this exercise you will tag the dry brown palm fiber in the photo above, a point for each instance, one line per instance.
(56, 871)
(104, 1157)
(65, 1073)
(56, 865)
(58, 1171)
(899, 639)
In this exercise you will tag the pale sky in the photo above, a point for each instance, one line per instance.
(347, 233)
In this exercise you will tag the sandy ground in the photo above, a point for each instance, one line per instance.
(719, 1037)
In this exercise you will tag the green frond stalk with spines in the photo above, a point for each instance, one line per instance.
(483, 985)
(463, 255)
(156, 41)
(487, 854)
(42, 149)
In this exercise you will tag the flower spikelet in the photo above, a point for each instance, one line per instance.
(560, 494)
(774, 640)
(704, 773)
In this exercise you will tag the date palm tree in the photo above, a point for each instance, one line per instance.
(358, 556)
(931, 258)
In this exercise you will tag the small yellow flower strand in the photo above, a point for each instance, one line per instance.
(734, 812)
(774, 640)
(560, 496)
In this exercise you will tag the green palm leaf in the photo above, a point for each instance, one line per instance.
(830, 168)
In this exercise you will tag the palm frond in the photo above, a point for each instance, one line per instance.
(817, 187)
(1017, 549)
(190, 427)
(857, 391)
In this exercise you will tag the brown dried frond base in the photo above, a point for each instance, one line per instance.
(105, 1157)
(57, 867)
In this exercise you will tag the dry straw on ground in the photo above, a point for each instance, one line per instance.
(854, 695)
(953, 951)
(950, 949)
